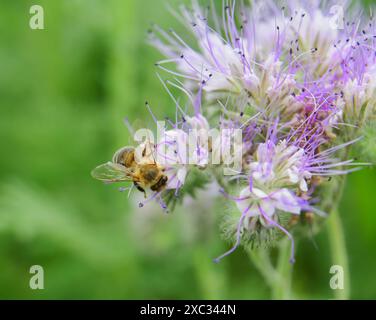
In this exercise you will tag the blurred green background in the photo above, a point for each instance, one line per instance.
(64, 93)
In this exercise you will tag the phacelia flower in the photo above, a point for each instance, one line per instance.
(288, 90)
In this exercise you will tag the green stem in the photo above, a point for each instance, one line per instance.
(336, 237)
(282, 288)
(278, 278)
(339, 253)
(261, 260)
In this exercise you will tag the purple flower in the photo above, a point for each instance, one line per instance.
(296, 84)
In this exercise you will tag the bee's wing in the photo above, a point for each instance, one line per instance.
(111, 172)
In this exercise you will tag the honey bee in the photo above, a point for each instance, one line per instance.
(124, 167)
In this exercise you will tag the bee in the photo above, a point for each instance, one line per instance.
(124, 167)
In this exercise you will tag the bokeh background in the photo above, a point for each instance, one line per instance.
(64, 93)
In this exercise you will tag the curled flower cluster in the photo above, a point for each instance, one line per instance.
(296, 82)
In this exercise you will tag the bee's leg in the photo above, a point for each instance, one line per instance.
(140, 189)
